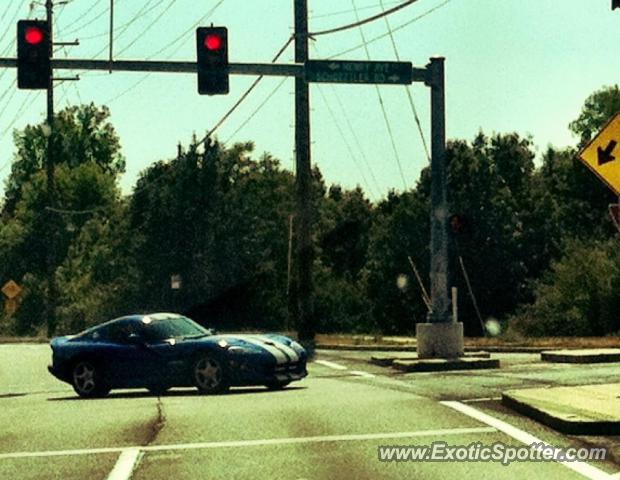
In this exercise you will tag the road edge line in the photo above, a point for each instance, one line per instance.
(583, 468)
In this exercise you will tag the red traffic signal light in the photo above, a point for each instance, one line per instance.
(33, 55)
(212, 60)
(213, 42)
(34, 35)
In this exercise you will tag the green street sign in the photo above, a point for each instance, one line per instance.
(336, 71)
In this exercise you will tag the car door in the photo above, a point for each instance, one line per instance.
(128, 360)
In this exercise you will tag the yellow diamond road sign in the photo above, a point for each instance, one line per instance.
(602, 154)
(11, 290)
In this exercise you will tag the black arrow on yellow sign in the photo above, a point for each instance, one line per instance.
(605, 156)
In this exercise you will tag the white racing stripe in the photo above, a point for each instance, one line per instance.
(259, 442)
(125, 464)
(288, 351)
(585, 469)
(277, 353)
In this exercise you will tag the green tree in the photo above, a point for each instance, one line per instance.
(80, 135)
(597, 110)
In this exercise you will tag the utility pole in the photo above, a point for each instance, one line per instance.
(442, 336)
(51, 190)
(305, 251)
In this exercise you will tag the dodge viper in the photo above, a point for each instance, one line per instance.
(164, 350)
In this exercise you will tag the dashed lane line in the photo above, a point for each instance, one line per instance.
(585, 469)
(253, 443)
(335, 366)
(125, 464)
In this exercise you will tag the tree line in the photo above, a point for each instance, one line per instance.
(535, 250)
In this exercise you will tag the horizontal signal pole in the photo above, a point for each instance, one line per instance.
(266, 69)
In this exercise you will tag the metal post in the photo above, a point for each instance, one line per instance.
(442, 337)
(305, 253)
(50, 303)
(439, 200)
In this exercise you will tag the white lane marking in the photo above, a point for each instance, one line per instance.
(125, 464)
(277, 353)
(333, 365)
(483, 399)
(582, 468)
(292, 354)
(359, 373)
(260, 442)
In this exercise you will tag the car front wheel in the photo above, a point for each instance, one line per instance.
(87, 380)
(209, 375)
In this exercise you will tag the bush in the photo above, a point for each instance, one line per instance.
(579, 296)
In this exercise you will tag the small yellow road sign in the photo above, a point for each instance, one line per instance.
(11, 290)
(602, 154)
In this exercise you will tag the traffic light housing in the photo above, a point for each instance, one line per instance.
(212, 57)
(33, 55)
(615, 4)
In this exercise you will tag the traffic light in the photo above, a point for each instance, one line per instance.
(615, 4)
(33, 55)
(212, 56)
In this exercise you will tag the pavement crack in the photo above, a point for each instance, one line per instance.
(158, 424)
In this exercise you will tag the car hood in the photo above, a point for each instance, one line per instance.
(283, 349)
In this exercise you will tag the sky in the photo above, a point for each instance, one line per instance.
(522, 66)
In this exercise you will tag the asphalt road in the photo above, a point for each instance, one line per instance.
(328, 426)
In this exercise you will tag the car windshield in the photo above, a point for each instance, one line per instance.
(172, 327)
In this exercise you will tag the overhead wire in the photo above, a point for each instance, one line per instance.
(346, 142)
(151, 25)
(383, 110)
(408, 90)
(359, 22)
(177, 40)
(245, 94)
(382, 36)
(343, 12)
(352, 132)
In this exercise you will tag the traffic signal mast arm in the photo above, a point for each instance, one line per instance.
(265, 69)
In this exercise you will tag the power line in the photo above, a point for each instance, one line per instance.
(400, 27)
(263, 103)
(143, 11)
(342, 12)
(408, 89)
(245, 94)
(353, 133)
(385, 116)
(344, 139)
(180, 37)
(89, 22)
(359, 22)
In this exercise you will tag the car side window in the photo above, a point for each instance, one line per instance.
(117, 332)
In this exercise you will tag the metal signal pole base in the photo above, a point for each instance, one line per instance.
(439, 340)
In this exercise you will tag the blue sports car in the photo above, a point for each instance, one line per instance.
(163, 350)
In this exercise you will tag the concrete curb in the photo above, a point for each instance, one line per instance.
(387, 360)
(412, 348)
(563, 425)
(601, 355)
(443, 365)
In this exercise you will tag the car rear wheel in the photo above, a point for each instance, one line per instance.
(210, 375)
(87, 380)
